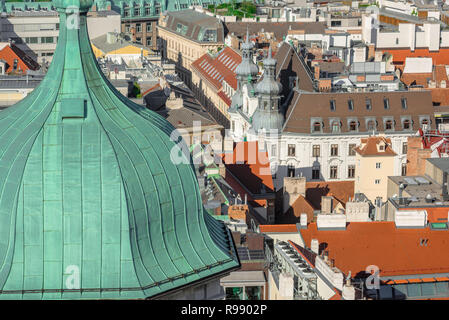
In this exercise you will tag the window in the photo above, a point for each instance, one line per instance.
(424, 122)
(368, 104)
(381, 147)
(335, 127)
(333, 172)
(31, 40)
(404, 103)
(127, 28)
(317, 127)
(378, 165)
(350, 104)
(291, 150)
(353, 126)
(351, 171)
(273, 150)
(389, 125)
(126, 13)
(404, 169)
(404, 147)
(149, 41)
(290, 170)
(139, 40)
(137, 12)
(386, 103)
(377, 181)
(149, 27)
(334, 150)
(316, 150)
(157, 10)
(315, 173)
(138, 27)
(332, 105)
(351, 151)
(148, 11)
(47, 40)
(406, 124)
(371, 125)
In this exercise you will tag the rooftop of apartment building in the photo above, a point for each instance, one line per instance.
(194, 25)
(279, 29)
(422, 191)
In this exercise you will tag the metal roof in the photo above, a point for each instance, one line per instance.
(89, 189)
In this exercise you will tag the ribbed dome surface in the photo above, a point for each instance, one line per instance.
(88, 183)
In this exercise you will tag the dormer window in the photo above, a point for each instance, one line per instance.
(316, 127)
(353, 126)
(381, 147)
(335, 126)
(406, 124)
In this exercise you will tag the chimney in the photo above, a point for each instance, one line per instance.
(317, 72)
(314, 245)
(445, 193)
(401, 198)
(326, 204)
(303, 220)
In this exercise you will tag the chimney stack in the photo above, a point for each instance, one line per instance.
(314, 245)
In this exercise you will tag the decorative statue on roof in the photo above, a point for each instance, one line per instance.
(91, 205)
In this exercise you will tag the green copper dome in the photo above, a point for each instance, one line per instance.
(88, 190)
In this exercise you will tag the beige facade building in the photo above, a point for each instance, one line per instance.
(186, 35)
(374, 162)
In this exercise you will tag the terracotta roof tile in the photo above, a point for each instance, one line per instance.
(369, 147)
(394, 251)
(274, 228)
(438, 57)
(24, 62)
(340, 190)
(251, 166)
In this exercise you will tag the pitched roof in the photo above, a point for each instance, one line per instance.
(438, 57)
(219, 68)
(10, 52)
(275, 228)
(369, 145)
(395, 251)
(289, 64)
(299, 112)
(194, 25)
(251, 166)
(339, 190)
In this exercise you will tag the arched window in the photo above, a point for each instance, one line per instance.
(353, 126)
(406, 124)
(371, 125)
(389, 125)
(424, 122)
(316, 127)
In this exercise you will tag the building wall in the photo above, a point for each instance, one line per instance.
(183, 52)
(367, 174)
(304, 162)
(147, 35)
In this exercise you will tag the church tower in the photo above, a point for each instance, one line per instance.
(268, 114)
(246, 73)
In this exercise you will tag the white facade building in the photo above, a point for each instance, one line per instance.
(313, 134)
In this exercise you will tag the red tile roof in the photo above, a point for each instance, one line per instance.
(216, 69)
(250, 166)
(339, 190)
(394, 251)
(275, 228)
(10, 52)
(369, 147)
(438, 57)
